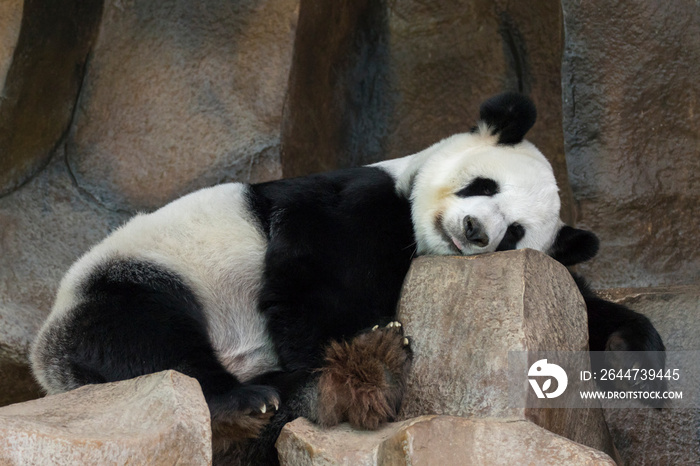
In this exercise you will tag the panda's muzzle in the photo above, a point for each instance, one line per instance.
(475, 232)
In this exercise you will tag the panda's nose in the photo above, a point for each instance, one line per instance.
(475, 231)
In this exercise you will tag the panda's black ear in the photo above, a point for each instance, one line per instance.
(574, 246)
(510, 115)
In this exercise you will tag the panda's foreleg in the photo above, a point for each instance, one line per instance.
(621, 338)
(615, 327)
(361, 381)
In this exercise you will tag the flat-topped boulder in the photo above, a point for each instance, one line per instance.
(466, 314)
(425, 440)
(158, 419)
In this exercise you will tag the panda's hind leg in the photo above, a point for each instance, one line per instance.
(135, 318)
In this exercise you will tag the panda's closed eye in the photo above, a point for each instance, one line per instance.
(514, 233)
(479, 187)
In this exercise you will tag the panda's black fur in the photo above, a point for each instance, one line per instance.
(311, 292)
(328, 255)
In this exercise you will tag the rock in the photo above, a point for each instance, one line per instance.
(44, 228)
(156, 419)
(667, 436)
(41, 70)
(631, 126)
(10, 22)
(16, 380)
(339, 98)
(181, 95)
(465, 314)
(444, 440)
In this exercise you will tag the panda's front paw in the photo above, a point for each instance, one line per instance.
(242, 412)
(363, 381)
(634, 357)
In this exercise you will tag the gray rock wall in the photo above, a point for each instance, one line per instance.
(43, 51)
(10, 24)
(181, 95)
(632, 132)
(671, 435)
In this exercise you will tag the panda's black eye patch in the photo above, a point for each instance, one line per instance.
(479, 187)
(514, 233)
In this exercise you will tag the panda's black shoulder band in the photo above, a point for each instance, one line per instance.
(509, 115)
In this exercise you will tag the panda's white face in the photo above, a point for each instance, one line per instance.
(471, 195)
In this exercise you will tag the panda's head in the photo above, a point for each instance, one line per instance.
(490, 190)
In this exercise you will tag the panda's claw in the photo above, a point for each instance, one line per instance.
(242, 412)
(405, 341)
(375, 328)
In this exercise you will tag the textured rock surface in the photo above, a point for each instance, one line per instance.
(426, 440)
(339, 96)
(632, 130)
(44, 227)
(181, 95)
(668, 436)
(41, 80)
(464, 324)
(10, 21)
(157, 419)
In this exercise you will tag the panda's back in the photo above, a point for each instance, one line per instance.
(210, 242)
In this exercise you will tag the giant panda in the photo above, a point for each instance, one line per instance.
(259, 291)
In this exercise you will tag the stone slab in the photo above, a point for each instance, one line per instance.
(159, 419)
(466, 313)
(431, 440)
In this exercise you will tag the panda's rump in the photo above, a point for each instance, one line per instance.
(133, 318)
(209, 242)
